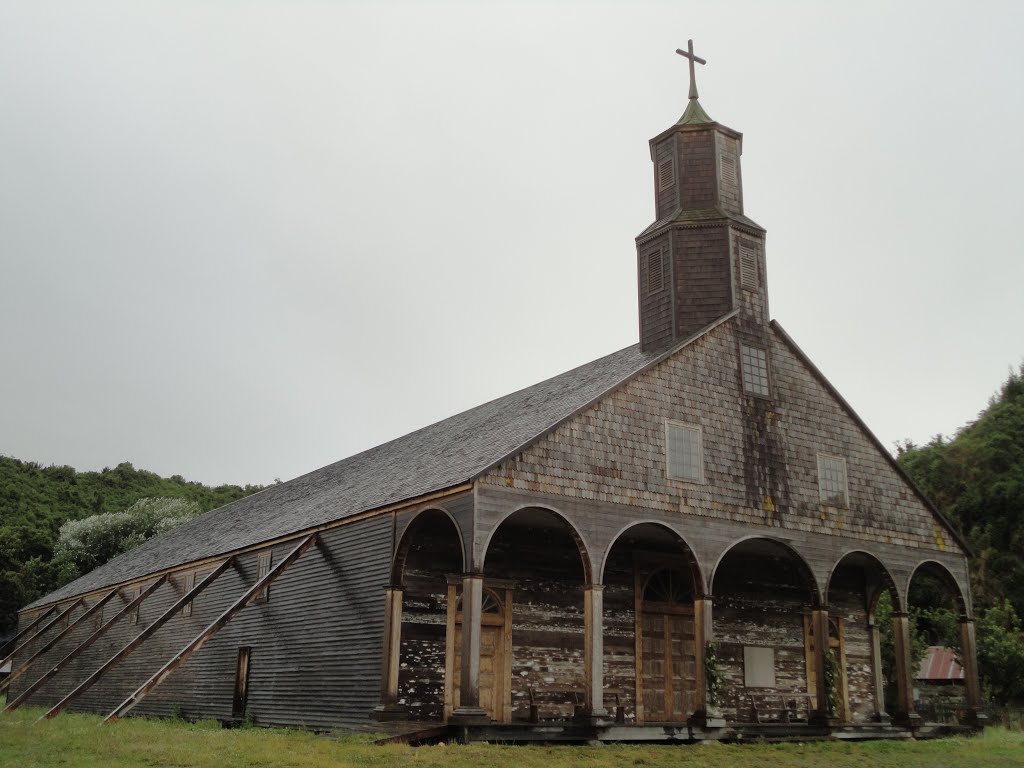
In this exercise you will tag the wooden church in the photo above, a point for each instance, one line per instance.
(685, 539)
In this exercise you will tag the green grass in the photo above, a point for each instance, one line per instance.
(81, 741)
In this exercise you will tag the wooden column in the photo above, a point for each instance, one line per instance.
(876, 671)
(972, 683)
(819, 624)
(593, 650)
(703, 635)
(905, 714)
(469, 709)
(389, 708)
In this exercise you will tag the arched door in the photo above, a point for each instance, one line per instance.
(495, 652)
(666, 664)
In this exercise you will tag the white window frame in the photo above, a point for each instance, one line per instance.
(671, 424)
(830, 500)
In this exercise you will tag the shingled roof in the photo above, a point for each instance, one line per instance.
(444, 454)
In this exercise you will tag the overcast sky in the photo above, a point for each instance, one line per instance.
(242, 240)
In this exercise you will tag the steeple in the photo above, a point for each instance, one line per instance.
(702, 257)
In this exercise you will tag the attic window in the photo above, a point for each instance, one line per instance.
(832, 488)
(655, 271)
(748, 266)
(188, 582)
(262, 570)
(685, 452)
(133, 594)
(754, 363)
(666, 172)
(728, 169)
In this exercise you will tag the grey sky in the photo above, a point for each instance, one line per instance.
(241, 240)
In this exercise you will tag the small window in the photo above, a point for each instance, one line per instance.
(748, 266)
(728, 169)
(133, 594)
(755, 370)
(97, 618)
(666, 172)
(758, 667)
(188, 583)
(655, 271)
(263, 569)
(832, 480)
(685, 452)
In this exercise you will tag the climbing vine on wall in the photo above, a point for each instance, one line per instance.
(712, 674)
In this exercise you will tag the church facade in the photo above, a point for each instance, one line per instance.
(693, 532)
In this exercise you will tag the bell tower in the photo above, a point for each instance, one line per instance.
(702, 257)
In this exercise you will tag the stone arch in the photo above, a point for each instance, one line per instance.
(552, 513)
(802, 566)
(692, 562)
(407, 539)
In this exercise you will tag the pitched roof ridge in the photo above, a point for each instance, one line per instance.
(659, 358)
(816, 372)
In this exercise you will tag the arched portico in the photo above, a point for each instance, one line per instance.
(414, 675)
(939, 610)
(540, 564)
(768, 610)
(856, 582)
(654, 624)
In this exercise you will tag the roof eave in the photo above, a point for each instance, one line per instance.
(871, 436)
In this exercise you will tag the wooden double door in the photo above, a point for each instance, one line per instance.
(666, 661)
(495, 653)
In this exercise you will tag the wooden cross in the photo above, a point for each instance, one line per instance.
(689, 54)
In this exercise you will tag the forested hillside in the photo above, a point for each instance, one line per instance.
(35, 501)
(977, 479)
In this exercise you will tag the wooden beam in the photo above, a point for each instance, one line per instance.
(49, 624)
(140, 638)
(86, 643)
(199, 640)
(15, 674)
(13, 642)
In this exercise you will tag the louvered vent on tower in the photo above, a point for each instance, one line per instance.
(666, 170)
(728, 169)
(748, 266)
(655, 271)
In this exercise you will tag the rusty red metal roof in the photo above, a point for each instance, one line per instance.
(940, 664)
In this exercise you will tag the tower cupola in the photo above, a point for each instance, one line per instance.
(702, 257)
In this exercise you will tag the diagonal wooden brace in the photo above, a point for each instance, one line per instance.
(46, 628)
(140, 638)
(199, 640)
(13, 642)
(5, 685)
(84, 645)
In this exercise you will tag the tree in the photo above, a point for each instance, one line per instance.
(1001, 653)
(90, 542)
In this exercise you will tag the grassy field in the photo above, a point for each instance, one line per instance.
(80, 741)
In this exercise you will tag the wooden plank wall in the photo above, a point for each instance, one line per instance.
(315, 644)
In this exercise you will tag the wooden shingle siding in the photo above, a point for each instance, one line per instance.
(316, 644)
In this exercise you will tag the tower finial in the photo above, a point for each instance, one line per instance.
(689, 54)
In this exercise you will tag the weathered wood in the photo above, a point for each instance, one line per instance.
(13, 642)
(199, 640)
(15, 674)
(140, 638)
(46, 628)
(87, 683)
(85, 644)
